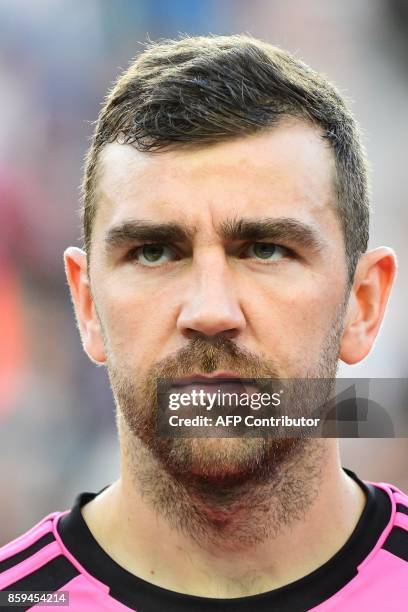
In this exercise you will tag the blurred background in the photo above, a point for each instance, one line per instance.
(57, 59)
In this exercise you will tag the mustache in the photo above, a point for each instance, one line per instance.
(205, 355)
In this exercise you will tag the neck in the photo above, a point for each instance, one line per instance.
(227, 544)
(227, 541)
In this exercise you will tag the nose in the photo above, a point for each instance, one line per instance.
(211, 307)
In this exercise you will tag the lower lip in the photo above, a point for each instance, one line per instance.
(222, 384)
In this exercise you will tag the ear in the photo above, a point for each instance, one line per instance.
(87, 319)
(369, 294)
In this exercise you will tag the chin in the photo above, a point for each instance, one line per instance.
(217, 459)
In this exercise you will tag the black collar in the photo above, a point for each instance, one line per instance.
(301, 595)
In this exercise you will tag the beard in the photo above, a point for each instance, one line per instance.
(212, 468)
(224, 493)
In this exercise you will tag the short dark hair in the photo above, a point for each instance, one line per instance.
(201, 90)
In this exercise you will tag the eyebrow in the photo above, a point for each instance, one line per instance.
(145, 231)
(282, 229)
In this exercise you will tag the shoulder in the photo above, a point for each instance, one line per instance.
(36, 560)
(395, 539)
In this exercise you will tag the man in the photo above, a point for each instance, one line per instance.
(225, 236)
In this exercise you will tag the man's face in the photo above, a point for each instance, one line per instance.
(221, 259)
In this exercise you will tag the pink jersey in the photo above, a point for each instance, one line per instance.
(369, 573)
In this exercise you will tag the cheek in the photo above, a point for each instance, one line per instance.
(291, 322)
(136, 319)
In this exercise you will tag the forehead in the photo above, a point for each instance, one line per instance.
(287, 171)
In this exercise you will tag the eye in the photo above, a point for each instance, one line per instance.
(151, 254)
(267, 251)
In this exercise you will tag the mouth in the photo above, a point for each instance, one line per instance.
(222, 381)
(207, 379)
